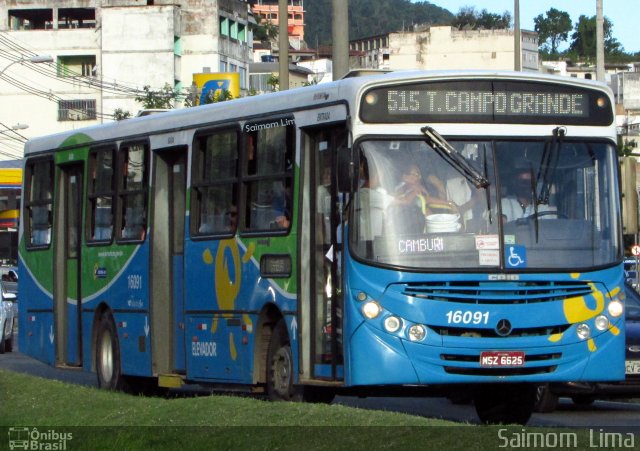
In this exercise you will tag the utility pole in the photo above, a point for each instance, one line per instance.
(599, 41)
(517, 52)
(283, 45)
(340, 37)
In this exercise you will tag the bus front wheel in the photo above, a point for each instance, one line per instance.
(108, 355)
(280, 375)
(505, 403)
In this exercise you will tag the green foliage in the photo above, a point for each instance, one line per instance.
(274, 82)
(371, 18)
(553, 29)
(162, 99)
(265, 31)
(119, 114)
(218, 96)
(584, 38)
(470, 19)
(626, 146)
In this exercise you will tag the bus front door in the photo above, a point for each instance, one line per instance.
(167, 260)
(67, 268)
(322, 316)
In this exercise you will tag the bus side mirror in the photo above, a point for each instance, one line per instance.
(629, 196)
(345, 172)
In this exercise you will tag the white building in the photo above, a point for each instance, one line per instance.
(443, 48)
(106, 51)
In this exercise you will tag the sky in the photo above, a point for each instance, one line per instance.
(624, 14)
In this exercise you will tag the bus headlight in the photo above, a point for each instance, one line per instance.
(371, 309)
(583, 331)
(362, 296)
(615, 308)
(392, 324)
(602, 322)
(417, 332)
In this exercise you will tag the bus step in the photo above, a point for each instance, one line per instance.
(170, 380)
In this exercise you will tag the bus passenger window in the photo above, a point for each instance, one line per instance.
(133, 192)
(40, 226)
(269, 176)
(39, 201)
(215, 183)
(100, 196)
(134, 223)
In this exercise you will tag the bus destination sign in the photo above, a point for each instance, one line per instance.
(485, 102)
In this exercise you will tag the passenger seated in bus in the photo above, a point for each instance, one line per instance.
(521, 199)
(41, 226)
(104, 223)
(414, 201)
(231, 218)
(134, 224)
(373, 200)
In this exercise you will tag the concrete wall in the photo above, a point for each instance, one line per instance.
(442, 48)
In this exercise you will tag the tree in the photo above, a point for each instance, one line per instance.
(120, 114)
(584, 38)
(465, 19)
(470, 19)
(218, 96)
(553, 29)
(161, 99)
(266, 32)
(492, 21)
(274, 82)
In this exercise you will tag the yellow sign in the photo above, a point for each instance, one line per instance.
(214, 85)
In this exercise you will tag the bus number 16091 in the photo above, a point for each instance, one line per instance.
(467, 317)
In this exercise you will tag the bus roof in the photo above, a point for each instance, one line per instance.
(252, 108)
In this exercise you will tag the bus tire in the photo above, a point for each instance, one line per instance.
(546, 401)
(280, 366)
(108, 355)
(505, 403)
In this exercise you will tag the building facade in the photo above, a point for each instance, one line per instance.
(446, 48)
(266, 11)
(105, 51)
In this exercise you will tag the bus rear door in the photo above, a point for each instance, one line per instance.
(167, 260)
(68, 271)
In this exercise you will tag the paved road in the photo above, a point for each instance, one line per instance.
(601, 414)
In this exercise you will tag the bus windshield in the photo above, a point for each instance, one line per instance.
(550, 204)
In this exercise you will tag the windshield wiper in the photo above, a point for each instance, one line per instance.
(451, 156)
(549, 164)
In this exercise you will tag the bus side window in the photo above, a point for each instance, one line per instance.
(215, 183)
(40, 226)
(100, 196)
(39, 201)
(268, 178)
(132, 192)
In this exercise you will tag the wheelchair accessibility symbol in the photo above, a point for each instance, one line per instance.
(516, 257)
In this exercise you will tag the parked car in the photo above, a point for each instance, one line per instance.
(8, 308)
(585, 393)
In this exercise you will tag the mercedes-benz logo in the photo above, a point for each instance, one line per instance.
(503, 328)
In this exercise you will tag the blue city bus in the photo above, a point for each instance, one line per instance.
(410, 233)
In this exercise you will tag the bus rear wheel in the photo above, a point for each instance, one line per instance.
(280, 375)
(505, 403)
(108, 355)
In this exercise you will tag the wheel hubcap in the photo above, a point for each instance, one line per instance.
(282, 371)
(106, 357)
